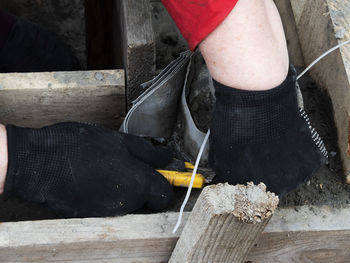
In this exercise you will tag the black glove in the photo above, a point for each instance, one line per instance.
(82, 170)
(30, 48)
(262, 136)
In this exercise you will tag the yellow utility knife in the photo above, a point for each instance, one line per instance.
(183, 179)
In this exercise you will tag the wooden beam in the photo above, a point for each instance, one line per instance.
(294, 49)
(322, 24)
(138, 44)
(131, 238)
(224, 224)
(305, 234)
(303, 247)
(38, 99)
(301, 234)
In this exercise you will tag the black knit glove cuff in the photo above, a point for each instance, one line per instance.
(33, 163)
(255, 117)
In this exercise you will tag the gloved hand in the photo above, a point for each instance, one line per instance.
(81, 170)
(262, 136)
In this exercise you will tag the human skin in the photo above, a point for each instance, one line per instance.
(248, 49)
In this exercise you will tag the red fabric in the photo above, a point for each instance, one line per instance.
(198, 18)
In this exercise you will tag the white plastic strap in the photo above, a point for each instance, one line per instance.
(191, 183)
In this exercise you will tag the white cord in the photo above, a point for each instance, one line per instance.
(321, 57)
(179, 219)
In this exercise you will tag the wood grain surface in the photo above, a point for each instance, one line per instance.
(301, 234)
(39, 99)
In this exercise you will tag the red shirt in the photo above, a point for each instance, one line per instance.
(198, 18)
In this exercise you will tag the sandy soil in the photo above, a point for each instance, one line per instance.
(328, 185)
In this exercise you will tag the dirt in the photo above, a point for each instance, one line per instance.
(169, 42)
(66, 18)
(201, 99)
(327, 187)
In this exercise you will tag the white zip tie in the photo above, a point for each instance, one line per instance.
(179, 219)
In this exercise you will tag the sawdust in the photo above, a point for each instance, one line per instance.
(249, 203)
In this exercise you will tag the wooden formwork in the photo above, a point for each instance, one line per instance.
(298, 234)
(136, 39)
(301, 234)
(38, 99)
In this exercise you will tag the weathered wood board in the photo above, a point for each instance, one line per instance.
(321, 25)
(138, 44)
(38, 99)
(224, 224)
(294, 49)
(303, 235)
(132, 238)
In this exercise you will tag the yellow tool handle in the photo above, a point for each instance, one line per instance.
(183, 179)
(189, 165)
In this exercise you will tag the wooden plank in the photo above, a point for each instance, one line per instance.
(131, 238)
(38, 99)
(295, 234)
(305, 234)
(297, 7)
(322, 24)
(303, 247)
(224, 224)
(138, 44)
(294, 49)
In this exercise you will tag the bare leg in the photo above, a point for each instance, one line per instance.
(248, 49)
(3, 157)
